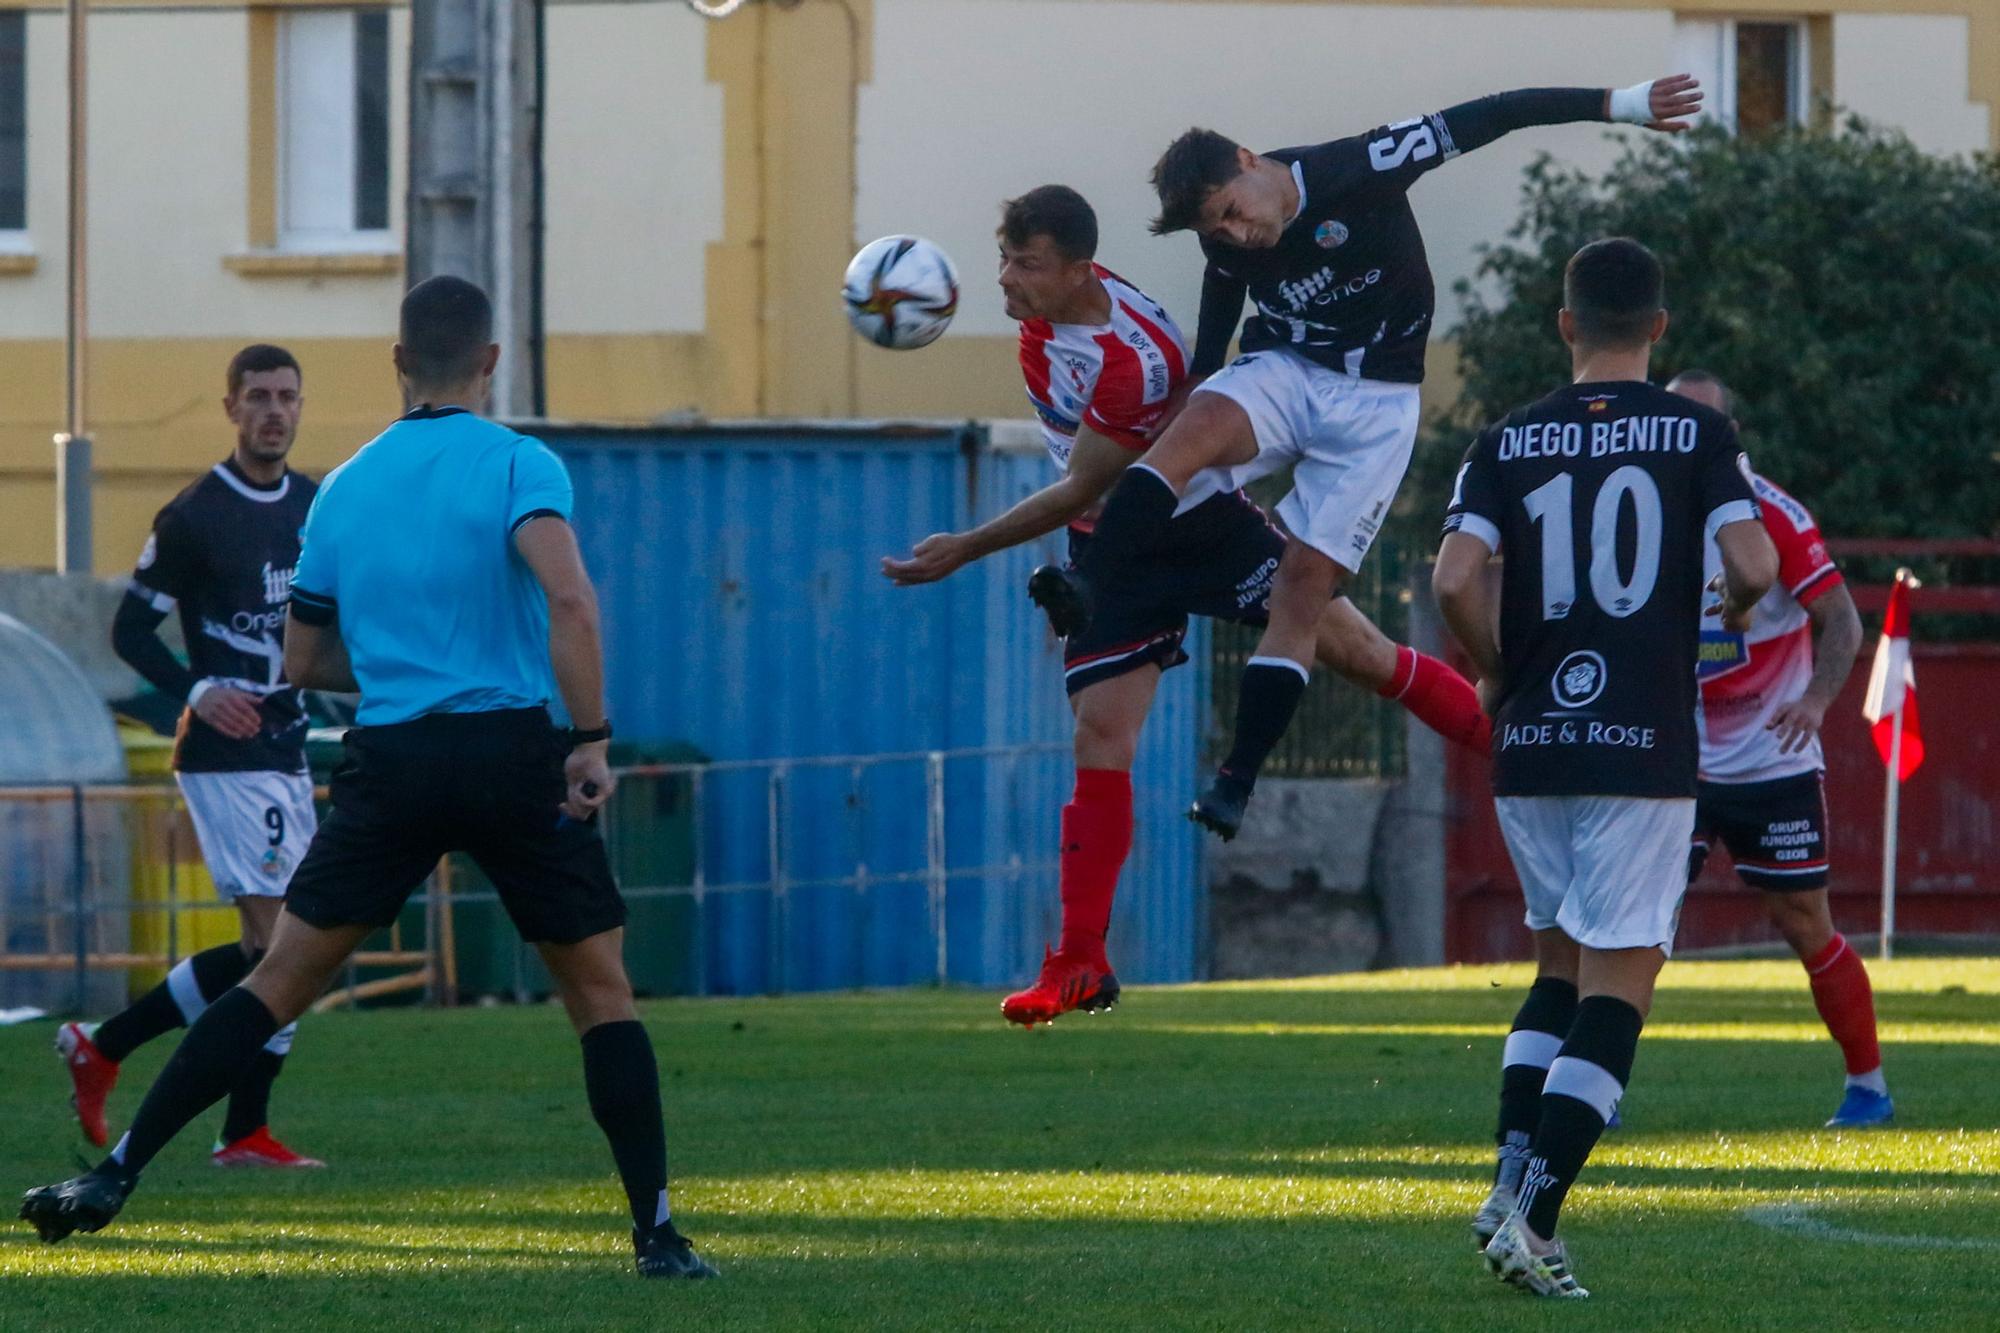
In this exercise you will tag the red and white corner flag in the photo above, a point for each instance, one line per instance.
(1892, 685)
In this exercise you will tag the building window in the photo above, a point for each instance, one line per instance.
(1754, 70)
(13, 121)
(333, 130)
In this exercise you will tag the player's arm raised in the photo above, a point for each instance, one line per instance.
(1094, 464)
(548, 546)
(1404, 151)
(1666, 104)
(1749, 568)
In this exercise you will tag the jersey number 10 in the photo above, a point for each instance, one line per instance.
(1551, 504)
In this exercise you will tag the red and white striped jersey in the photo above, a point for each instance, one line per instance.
(1745, 678)
(1115, 377)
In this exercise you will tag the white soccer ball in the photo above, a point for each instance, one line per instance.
(901, 292)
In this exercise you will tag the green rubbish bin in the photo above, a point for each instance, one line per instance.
(649, 831)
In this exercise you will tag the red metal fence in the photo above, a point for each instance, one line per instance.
(1948, 872)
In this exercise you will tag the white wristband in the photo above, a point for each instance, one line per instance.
(201, 687)
(1634, 105)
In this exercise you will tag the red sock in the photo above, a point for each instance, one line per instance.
(1439, 698)
(1096, 838)
(1847, 1003)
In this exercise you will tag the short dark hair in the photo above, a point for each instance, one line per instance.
(446, 325)
(1713, 381)
(1054, 211)
(1194, 166)
(1613, 290)
(260, 356)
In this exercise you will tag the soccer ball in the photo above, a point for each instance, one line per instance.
(901, 292)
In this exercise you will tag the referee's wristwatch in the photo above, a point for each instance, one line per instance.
(588, 735)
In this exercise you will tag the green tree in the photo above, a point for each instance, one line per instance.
(1844, 283)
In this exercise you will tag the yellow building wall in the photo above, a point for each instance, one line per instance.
(707, 182)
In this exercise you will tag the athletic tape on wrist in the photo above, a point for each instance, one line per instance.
(1634, 105)
(201, 687)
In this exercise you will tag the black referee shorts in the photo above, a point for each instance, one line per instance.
(486, 784)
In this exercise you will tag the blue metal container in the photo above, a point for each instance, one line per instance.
(745, 613)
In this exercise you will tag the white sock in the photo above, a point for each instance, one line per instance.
(1872, 1080)
(660, 1217)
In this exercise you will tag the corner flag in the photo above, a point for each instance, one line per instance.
(1892, 686)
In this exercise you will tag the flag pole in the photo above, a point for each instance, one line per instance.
(1889, 833)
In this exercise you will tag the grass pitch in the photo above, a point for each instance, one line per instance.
(1285, 1155)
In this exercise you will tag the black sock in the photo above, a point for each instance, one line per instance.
(1133, 520)
(207, 974)
(623, 1081)
(210, 1061)
(1582, 1090)
(1266, 698)
(1544, 1019)
(250, 1100)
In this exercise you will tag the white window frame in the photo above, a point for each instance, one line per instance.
(326, 37)
(1705, 45)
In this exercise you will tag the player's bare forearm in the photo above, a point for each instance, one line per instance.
(1749, 568)
(1094, 464)
(576, 652)
(1837, 629)
(943, 554)
(1465, 600)
(316, 658)
(1054, 506)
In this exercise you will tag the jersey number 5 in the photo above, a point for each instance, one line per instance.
(1550, 505)
(1406, 141)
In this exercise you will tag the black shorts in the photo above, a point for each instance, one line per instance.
(1217, 560)
(1775, 831)
(486, 784)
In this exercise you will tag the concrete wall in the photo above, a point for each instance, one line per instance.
(1338, 875)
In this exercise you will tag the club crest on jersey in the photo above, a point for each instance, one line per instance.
(1331, 235)
(1579, 680)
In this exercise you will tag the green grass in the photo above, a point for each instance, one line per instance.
(1246, 1156)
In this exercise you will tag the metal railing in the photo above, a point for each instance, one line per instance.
(103, 881)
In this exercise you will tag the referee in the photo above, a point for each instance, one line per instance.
(440, 579)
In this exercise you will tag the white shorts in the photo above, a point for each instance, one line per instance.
(1350, 439)
(1609, 870)
(253, 828)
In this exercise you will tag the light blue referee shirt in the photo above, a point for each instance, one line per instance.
(410, 546)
